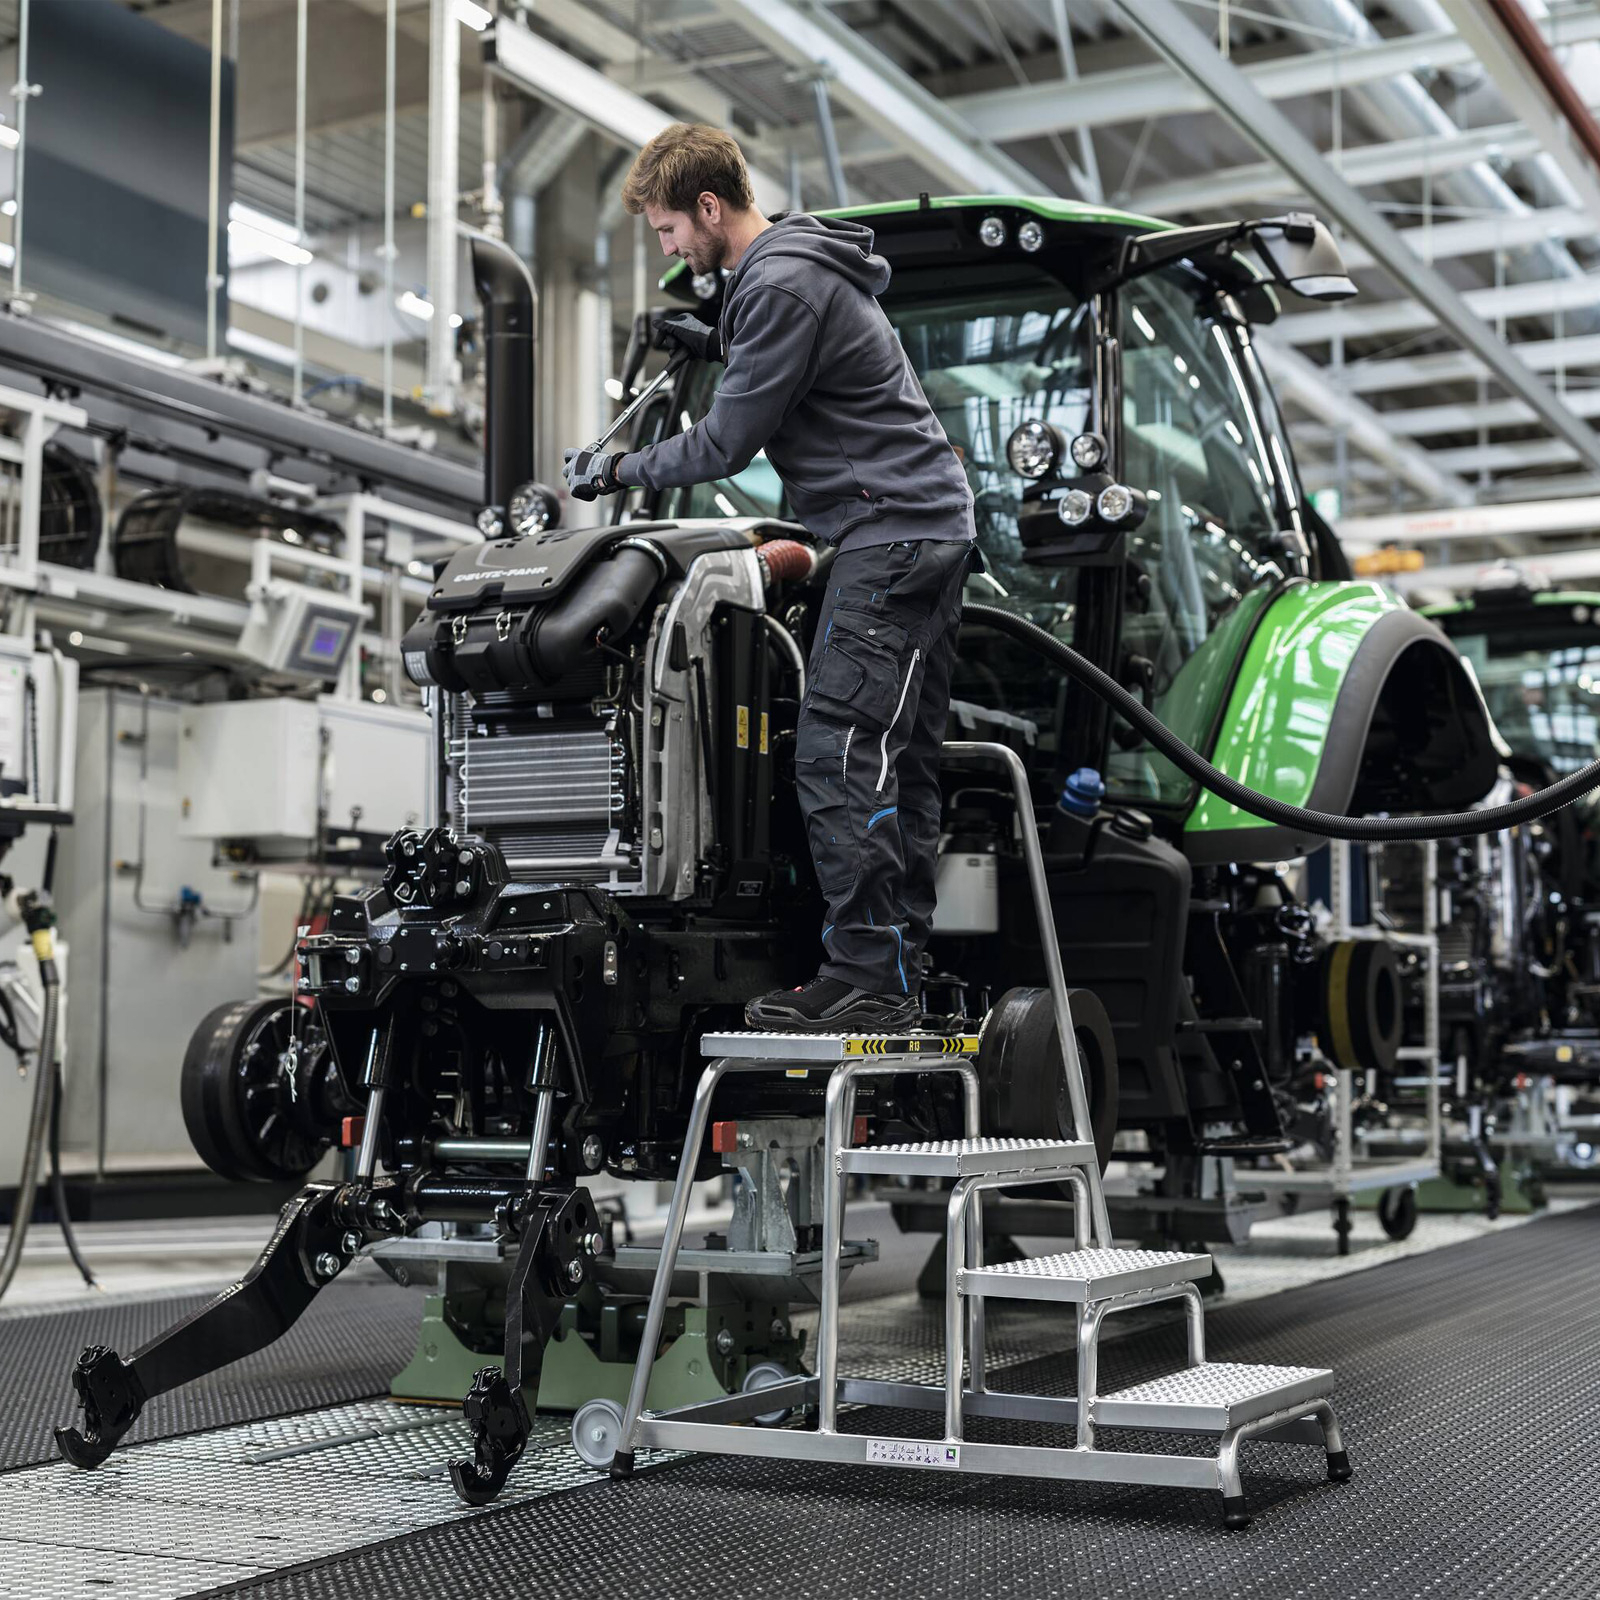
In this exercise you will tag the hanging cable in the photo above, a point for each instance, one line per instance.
(1541, 803)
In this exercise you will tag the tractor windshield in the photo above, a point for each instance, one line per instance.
(1200, 439)
(1543, 691)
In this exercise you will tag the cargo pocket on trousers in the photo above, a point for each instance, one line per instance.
(821, 765)
(858, 679)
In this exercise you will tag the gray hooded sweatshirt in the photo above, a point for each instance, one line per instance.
(817, 377)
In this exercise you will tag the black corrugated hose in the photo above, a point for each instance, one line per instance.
(1450, 825)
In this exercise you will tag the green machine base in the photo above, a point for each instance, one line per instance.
(707, 1353)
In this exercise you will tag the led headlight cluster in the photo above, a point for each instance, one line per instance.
(992, 231)
(1034, 449)
(1089, 452)
(1030, 236)
(1117, 504)
(532, 509)
(1075, 507)
(488, 521)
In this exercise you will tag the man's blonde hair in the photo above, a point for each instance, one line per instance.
(682, 163)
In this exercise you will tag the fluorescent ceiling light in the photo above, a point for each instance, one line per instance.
(415, 306)
(260, 222)
(248, 238)
(254, 345)
(472, 15)
(257, 232)
(112, 341)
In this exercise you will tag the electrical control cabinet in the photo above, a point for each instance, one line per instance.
(292, 777)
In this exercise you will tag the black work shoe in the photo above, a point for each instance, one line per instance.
(830, 1005)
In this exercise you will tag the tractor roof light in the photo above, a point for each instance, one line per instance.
(1034, 449)
(992, 232)
(1030, 235)
(1089, 452)
(1120, 506)
(1075, 507)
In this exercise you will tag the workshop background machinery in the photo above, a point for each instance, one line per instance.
(1072, 352)
(1526, 1000)
(618, 859)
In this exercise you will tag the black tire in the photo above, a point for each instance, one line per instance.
(1397, 1211)
(1025, 1090)
(246, 1119)
(1363, 1005)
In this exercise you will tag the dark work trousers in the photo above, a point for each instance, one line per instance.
(867, 752)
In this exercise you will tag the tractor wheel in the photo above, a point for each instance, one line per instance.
(252, 1077)
(1025, 1085)
(1363, 1005)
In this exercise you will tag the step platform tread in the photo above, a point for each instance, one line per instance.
(805, 1048)
(1081, 1275)
(1212, 1397)
(966, 1158)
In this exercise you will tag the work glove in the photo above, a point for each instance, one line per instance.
(590, 473)
(683, 332)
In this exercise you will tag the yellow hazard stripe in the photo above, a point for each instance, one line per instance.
(955, 1044)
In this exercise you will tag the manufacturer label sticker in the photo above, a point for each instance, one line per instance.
(913, 1453)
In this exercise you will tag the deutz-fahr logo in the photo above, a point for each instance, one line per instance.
(500, 572)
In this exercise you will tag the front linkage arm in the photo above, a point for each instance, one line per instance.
(309, 1246)
(556, 1229)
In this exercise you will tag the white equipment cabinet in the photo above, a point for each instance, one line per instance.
(279, 772)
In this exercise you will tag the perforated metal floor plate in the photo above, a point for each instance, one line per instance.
(1079, 1275)
(1498, 1504)
(965, 1158)
(1212, 1397)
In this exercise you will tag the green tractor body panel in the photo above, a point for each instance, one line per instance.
(1274, 731)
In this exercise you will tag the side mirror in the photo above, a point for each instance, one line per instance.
(1300, 253)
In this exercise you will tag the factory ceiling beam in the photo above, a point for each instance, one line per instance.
(1519, 86)
(1173, 36)
(1458, 366)
(1580, 514)
(888, 100)
(1470, 416)
(1131, 94)
(551, 74)
(1366, 166)
(1542, 297)
(1483, 235)
(1135, 93)
(1303, 383)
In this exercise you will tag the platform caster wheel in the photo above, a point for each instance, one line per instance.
(596, 1433)
(1397, 1211)
(1339, 1468)
(1235, 1515)
(762, 1376)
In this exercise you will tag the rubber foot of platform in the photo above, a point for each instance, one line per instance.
(1339, 1468)
(622, 1464)
(1234, 1514)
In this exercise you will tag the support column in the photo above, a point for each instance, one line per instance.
(572, 407)
(444, 133)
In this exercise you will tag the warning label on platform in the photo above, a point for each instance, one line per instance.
(912, 1453)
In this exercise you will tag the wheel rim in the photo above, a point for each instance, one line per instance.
(597, 1432)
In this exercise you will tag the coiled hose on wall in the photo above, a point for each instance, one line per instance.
(1323, 823)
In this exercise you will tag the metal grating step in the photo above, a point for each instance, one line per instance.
(1212, 1397)
(966, 1158)
(1081, 1275)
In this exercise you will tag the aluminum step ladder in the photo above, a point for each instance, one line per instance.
(1230, 1401)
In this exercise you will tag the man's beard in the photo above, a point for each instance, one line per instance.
(707, 250)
